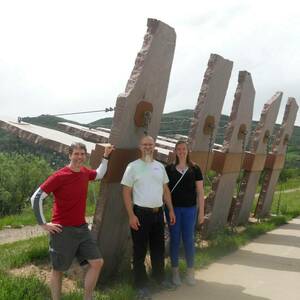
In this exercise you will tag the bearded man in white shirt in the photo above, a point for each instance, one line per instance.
(145, 187)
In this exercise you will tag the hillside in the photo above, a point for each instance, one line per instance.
(177, 122)
(47, 121)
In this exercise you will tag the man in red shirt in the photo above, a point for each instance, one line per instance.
(68, 230)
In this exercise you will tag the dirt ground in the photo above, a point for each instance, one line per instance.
(43, 273)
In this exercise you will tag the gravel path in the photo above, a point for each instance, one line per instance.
(17, 234)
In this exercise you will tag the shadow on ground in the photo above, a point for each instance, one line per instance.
(266, 261)
(208, 291)
(279, 239)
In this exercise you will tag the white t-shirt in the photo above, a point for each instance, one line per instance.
(146, 180)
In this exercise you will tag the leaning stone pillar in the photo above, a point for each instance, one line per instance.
(137, 111)
(227, 162)
(275, 160)
(208, 109)
(254, 161)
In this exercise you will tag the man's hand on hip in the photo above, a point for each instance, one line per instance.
(134, 222)
(52, 228)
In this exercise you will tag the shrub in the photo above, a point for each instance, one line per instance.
(20, 175)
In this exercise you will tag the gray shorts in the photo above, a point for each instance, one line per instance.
(70, 243)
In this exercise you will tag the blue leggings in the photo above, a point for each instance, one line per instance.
(185, 228)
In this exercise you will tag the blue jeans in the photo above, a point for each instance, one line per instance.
(185, 228)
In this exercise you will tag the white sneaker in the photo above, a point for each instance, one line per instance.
(176, 277)
(190, 276)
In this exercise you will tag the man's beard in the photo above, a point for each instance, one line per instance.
(148, 158)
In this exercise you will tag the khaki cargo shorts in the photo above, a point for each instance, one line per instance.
(70, 243)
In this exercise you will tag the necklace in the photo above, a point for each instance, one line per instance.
(180, 169)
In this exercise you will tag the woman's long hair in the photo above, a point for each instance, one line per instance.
(189, 162)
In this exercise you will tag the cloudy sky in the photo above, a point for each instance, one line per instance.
(62, 56)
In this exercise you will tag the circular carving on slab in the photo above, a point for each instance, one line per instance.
(286, 139)
(266, 136)
(209, 125)
(143, 111)
(242, 132)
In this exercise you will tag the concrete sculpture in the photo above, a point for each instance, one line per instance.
(255, 160)
(275, 159)
(228, 161)
(137, 111)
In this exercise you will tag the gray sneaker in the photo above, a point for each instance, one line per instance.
(143, 294)
(176, 277)
(167, 285)
(190, 277)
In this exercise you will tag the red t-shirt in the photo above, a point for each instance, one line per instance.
(70, 191)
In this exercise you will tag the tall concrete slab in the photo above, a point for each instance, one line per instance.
(227, 162)
(149, 82)
(255, 160)
(208, 109)
(145, 95)
(275, 160)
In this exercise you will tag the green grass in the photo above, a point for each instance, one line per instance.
(288, 204)
(19, 253)
(25, 218)
(35, 251)
(25, 288)
(121, 291)
(292, 183)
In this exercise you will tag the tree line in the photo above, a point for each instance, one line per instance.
(20, 175)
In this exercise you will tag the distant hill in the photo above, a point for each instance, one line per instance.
(177, 122)
(47, 121)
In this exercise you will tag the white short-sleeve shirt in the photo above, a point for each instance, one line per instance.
(146, 180)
